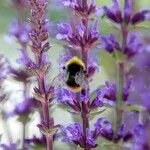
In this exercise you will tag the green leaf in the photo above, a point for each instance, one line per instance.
(119, 56)
(134, 108)
(38, 147)
(139, 27)
(79, 148)
(96, 113)
(108, 64)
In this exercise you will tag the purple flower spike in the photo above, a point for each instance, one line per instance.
(141, 16)
(20, 31)
(113, 12)
(128, 7)
(103, 128)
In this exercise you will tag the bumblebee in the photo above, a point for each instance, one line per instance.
(74, 75)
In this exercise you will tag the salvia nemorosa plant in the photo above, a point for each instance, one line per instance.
(126, 96)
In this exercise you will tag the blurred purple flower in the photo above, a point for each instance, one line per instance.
(20, 31)
(140, 138)
(25, 107)
(69, 3)
(25, 59)
(36, 141)
(115, 13)
(141, 83)
(12, 146)
(21, 75)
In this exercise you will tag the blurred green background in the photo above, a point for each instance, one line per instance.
(8, 47)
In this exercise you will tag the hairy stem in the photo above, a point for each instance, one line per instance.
(46, 115)
(85, 111)
(120, 78)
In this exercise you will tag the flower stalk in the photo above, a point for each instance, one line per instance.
(119, 102)
(40, 45)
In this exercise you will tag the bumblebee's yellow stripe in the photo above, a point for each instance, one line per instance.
(76, 60)
(74, 89)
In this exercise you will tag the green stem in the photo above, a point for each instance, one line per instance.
(120, 79)
(23, 135)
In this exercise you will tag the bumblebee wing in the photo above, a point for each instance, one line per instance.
(58, 81)
(80, 78)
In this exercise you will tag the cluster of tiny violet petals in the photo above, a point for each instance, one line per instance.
(102, 127)
(76, 36)
(107, 95)
(115, 14)
(132, 44)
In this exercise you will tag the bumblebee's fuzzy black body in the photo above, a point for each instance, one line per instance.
(74, 67)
